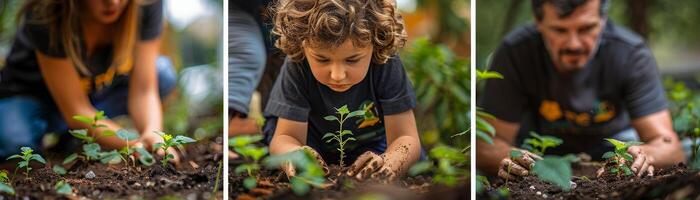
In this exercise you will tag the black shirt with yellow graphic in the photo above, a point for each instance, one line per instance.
(298, 96)
(21, 75)
(620, 83)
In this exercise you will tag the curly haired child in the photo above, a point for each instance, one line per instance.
(343, 52)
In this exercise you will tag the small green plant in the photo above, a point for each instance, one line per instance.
(5, 183)
(168, 142)
(244, 145)
(448, 164)
(309, 172)
(620, 158)
(538, 144)
(27, 156)
(64, 188)
(344, 114)
(126, 151)
(91, 150)
(556, 170)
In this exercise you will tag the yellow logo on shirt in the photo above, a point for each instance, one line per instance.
(603, 112)
(369, 118)
(102, 80)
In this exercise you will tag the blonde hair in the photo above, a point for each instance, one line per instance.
(62, 17)
(328, 23)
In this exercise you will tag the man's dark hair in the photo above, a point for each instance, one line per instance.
(565, 7)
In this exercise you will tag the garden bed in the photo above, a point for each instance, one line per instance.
(676, 182)
(273, 184)
(195, 178)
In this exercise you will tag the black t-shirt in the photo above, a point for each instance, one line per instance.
(621, 82)
(22, 76)
(298, 96)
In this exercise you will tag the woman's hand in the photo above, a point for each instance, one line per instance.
(149, 139)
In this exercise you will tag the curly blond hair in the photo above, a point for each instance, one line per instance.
(329, 23)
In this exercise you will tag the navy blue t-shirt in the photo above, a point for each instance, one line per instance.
(298, 96)
(21, 74)
(620, 83)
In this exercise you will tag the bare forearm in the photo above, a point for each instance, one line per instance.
(145, 110)
(402, 153)
(488, 157)
(281, 144)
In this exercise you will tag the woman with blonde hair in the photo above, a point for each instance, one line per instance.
(75, 57)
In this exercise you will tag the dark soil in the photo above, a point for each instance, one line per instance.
(194, 179)
(676, 182)
(273, 184)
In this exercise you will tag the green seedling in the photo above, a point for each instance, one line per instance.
(64, 188)
(59, 170)
(27, 156)
(170, 141)
(448, 164)
(244, 145)
(91, 150)
(309, 172)
(620, 158)
(344, 114)
(126, 151)
(538, 144)
(5, 183)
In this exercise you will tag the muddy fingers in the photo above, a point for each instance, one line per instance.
(360, 163)
(513, 168)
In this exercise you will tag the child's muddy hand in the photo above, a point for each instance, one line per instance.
(288, 169)
(367, 164)
(318, 158)
(515, 167)
(642, 162)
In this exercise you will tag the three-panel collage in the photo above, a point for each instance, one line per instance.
(349, 99)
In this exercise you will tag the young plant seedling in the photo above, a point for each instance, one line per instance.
(538, 144)
(309, 172)
(27, 156)
(450, 168)
(5, 185)
(620, 158)
(344, 114)
(170, 141)
(126, 151)
(91, 150)
(244, 145)
(555, 170)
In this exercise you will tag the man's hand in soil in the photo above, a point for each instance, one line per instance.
(288, 167)
(513, 168)
(369, 164)
(148, 140)
(641, 164)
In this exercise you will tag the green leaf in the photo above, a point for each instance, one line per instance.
(110, 157)
(38, 158)
(355, 113)
(100, 115)
(627, 170)
(299, 186)
(22, 164)
(7, 189)
(108, 133)
(555, 170)
(92, 150)
(420, 167)
(250, 183)
(330, 118)
(84, 119)
(82, 134)
(345, 132)
(63, 188)
(243, 140)
(127, 135)
(70, 158)
(483, 75)
(13, 157)
(327, 135)
(614, 170)
(628, 157)
(145, 157)
(59, 170)
(618, 144)
(343, 110)
(483, 126)
(181, 139)
(608, 155)
(158, 145)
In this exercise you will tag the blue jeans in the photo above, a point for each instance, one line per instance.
(247, 58)
(25, 119)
